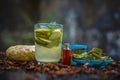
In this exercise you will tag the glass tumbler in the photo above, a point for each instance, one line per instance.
(48, 41)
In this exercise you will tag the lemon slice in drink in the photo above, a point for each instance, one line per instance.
(55, 34)
(42, 41)
(43, 33)
(55, 38)
(42, 36)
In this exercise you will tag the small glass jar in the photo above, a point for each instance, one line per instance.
(66, 55)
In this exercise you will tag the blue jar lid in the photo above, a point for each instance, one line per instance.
(76, 46)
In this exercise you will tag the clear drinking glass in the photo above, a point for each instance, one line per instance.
(48, 41)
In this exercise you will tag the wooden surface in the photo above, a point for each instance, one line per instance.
(14, 70)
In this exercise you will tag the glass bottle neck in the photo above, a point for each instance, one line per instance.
(66, 48)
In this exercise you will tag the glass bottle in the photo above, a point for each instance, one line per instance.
(66, 55)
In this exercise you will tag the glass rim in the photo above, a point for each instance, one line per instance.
(48, 23)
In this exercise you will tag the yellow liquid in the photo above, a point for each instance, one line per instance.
(48, 45)
(44, 54)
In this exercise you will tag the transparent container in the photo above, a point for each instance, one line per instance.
(48, 41)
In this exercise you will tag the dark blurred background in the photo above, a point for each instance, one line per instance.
(92, 22)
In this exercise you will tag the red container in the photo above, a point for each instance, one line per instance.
(66, 55)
